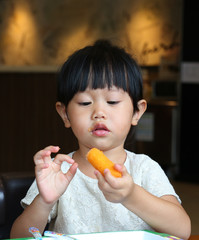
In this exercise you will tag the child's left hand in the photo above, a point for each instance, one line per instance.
(115, 189)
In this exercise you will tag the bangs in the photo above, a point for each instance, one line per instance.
(102, 74)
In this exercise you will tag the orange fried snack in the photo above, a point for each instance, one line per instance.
(101, 162)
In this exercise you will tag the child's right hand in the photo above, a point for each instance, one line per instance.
(51, 181)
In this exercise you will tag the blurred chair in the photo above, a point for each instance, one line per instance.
(13, 187)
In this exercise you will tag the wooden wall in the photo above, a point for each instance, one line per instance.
(29, 121)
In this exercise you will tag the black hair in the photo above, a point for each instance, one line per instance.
(98, 66)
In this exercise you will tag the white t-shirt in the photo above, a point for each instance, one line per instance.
(84, 209)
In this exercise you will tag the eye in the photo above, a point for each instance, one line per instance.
(113, 102)
(84, 103)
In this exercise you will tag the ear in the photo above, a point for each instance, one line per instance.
(61, 109)
(142, 105)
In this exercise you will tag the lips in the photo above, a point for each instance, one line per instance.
(99, 130)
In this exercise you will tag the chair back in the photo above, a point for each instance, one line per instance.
(13, 187)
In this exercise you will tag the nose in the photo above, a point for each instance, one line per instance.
(98, 112)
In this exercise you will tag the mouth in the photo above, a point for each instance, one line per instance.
(99, 130)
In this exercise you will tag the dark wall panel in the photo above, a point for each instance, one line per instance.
(190, 39)
(29, 121)
(189, 139)
(189, 100)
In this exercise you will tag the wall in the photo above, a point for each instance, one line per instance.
(45, 32)
(29, 121)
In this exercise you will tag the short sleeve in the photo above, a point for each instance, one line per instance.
(30, 196)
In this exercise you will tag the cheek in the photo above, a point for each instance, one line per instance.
(79, 125)
(123, 124)
(78, 131)
(125, 115)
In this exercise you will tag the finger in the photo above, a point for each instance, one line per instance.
(122, 169)
(60, 158)
(110, 179)
(40, 167)
(98, 175)
(71, 172)
(46, 152)
(41, 157)
(102, 184)
(52, 149)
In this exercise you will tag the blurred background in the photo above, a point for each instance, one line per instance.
(37, 36)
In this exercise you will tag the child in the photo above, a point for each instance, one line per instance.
(100, 98)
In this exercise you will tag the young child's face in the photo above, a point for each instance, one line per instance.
(101, 118)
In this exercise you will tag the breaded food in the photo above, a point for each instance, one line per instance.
(101, 162)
